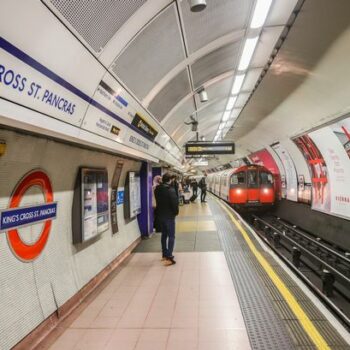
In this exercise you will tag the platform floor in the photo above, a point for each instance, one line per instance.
(215, 297)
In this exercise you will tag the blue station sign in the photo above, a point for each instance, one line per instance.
(19, 217)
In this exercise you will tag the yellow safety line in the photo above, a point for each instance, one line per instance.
(308, 326)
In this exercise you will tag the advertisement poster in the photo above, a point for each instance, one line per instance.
(338, 165)
(134, 194)
(319, 173)
(95, 202)
(114, 195)
(341, 129)
(291, 182)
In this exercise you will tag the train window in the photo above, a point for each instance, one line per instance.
(266, 178)
(238, 178)
(252, 178)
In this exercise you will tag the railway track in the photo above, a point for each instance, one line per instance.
(324, 267)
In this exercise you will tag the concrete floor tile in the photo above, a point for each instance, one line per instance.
(69, 339)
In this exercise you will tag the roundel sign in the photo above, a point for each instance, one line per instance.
(17, 216)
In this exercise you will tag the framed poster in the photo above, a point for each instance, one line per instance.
(90, 204)
(132, 195)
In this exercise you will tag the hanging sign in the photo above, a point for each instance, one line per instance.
(201, 148)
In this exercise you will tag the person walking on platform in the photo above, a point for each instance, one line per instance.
(167, 210)
(203, 187)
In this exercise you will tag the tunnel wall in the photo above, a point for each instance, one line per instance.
(328, 227)
(31, 291)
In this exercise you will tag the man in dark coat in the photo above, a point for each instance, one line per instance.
(167, 210)
(203, 187)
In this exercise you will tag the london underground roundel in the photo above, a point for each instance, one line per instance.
(17, 216)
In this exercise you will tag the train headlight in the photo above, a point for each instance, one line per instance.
(238, 191)
(266, 190)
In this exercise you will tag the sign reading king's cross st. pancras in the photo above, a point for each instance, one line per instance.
(16, 217)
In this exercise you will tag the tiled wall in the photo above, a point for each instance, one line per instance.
(31, 291)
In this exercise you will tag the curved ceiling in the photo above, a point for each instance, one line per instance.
(163, 53)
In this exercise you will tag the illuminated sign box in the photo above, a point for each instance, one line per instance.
(200, 163)
(204, 148)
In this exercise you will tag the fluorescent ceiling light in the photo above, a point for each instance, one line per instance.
(226, 116)
(222, 125)
(231, 102)
(248, 50)
(260, 13)
(237, 84)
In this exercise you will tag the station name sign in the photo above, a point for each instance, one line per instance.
(144, 127)
(204, 148)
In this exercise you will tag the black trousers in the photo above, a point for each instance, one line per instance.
(203, 195)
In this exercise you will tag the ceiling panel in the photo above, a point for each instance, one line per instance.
(170, 95)
(217, 107)
(96, 21)
(219, 18)
(215, 63)
(179, 115)
(242, 99)
(152, 54)
(280, 12)
(267, 42)
(251, 79)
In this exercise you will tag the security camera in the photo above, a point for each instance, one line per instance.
(203, 96)
(198, 5)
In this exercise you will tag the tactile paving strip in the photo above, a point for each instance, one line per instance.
(263, 306)
(263, 324)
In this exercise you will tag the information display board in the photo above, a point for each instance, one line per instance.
(90, 215)
(95, 202)
(132, 196)
(204, 148)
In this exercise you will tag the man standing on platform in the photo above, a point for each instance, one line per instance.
(167, 209)
(203, 187)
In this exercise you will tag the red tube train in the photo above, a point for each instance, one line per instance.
(248, 186)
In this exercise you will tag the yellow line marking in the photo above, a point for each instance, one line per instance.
(306, 323)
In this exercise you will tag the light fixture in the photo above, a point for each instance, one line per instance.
(226, 116)
(237, 84)
(247, 53)
(203, 96)
(222, 125)
(231, 102)
(260, 13)
(197, 5)
(203, 138)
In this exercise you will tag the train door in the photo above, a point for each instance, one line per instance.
(267, 191)
(253, 186)
(238, 188)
